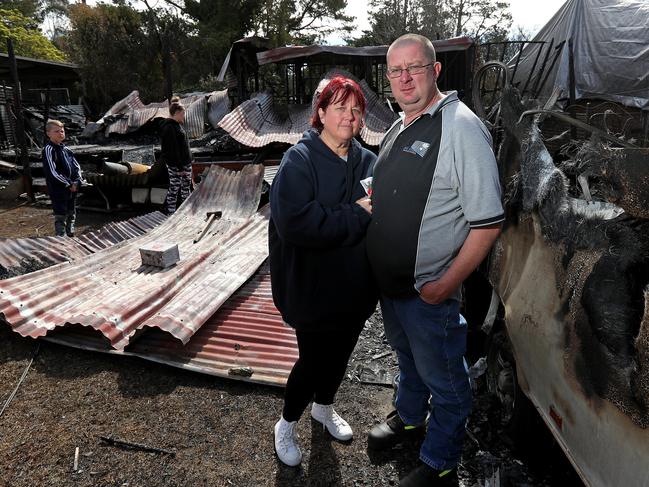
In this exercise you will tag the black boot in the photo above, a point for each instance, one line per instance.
(59, 225)
(425, 476)
(392, 432)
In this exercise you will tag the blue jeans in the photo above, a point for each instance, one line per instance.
(430, 341)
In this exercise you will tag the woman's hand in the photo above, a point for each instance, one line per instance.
(365, 203)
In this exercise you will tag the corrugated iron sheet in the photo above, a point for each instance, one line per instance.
(245, 339)
(54, 250)
(113, 293)
(130, 113)
(255, 123)
(218, 106)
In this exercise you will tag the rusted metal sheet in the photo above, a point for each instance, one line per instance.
(218, 106)
(245, 339)
(46, 251)
(378, 117)
(131, 113)
(282, 54)
(195, 111)
(113, 293)
(255, 123)
(116, 232)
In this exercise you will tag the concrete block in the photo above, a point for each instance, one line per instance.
(140, 195)
(158, 195)
(160, 254)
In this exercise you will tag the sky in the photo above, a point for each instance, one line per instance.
(529, 14)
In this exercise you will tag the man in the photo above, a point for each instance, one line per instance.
(436, 213)
(63, 178)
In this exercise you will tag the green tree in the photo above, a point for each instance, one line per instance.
(110, 46)
(27, 38)
(215, 25)
(281, 21)
(388, 20)
(38, 10)
(29, 8)
(483, 20)
(302, 21)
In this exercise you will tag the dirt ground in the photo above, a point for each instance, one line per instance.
(219, 429)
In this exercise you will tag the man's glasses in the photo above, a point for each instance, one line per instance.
(411, 70)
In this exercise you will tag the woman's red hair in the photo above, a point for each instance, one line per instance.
(338, 89)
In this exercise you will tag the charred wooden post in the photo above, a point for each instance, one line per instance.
(46, 113)
(21, 148)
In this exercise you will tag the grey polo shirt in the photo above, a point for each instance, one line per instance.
(433, 181)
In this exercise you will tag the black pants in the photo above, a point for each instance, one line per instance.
(320, 368)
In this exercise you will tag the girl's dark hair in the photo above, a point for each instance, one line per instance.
(175, 105)
(337, 90)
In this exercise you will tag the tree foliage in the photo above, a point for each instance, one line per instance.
(218, 23)
(120, 49)
(38, 10)
(281, 21)
(483, 20)
(29, 8)
(110, 46)
(26, 36)
(129, 44)
(300, 22)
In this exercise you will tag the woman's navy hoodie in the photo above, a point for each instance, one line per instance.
(321, 278)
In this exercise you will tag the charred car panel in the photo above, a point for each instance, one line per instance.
(572, 276)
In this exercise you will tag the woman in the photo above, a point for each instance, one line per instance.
(176, 154)
(320, 275)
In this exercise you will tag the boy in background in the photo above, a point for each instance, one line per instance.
(63, 177)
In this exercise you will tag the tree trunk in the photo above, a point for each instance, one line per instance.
(460, 14)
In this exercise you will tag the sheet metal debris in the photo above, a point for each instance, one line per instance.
(112, 293)
(255, 122)
(130, 113)
(46, 251)
(246, 334)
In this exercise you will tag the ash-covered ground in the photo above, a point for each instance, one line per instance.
(219, 429)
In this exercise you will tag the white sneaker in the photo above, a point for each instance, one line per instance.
(336, 426)
(286, 447)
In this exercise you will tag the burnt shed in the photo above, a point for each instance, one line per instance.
(292, 73)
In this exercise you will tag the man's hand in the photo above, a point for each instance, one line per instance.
(473, 251)
(365, 203)
(435, 292)
(73, 187)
